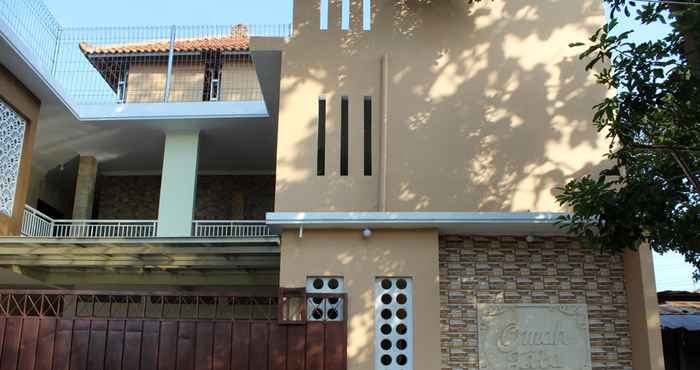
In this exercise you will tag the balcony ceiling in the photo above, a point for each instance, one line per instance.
(236, 145)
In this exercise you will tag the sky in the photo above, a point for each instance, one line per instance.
(672, 273)
(169, 12)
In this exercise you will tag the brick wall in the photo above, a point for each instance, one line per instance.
(127, 197)
(505, 270)
(218, 197)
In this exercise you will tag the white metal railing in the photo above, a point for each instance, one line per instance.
(37, 224)
(104, 229)
(230, 229)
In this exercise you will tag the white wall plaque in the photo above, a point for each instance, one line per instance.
(534, 336)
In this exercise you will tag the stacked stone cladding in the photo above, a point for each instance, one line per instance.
(221, 197)
(476, 270)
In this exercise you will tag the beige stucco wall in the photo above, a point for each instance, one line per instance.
(27, 105)
(239, 81)
(488, 108)
(645, 325)
(188, 82)
(146, 83)
(387, 253)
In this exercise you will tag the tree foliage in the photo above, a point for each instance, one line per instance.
(652, 122)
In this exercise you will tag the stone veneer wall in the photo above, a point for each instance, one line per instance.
(218, 197)
(127, 197)
(507, 270)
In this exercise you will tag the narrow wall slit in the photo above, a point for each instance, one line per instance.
(368, 135)
(321, 144)
(344, 135)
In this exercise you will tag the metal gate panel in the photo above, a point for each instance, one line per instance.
(37, 339)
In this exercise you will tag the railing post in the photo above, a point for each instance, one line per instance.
(56, 50)
(171, 54)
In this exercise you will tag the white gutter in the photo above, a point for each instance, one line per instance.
(484, 223)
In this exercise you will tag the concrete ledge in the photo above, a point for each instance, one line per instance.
(474, 223)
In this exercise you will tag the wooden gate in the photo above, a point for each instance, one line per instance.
(46, 330)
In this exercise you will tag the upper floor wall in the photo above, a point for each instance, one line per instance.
(50, 60)
(212, 65)
(479, 107)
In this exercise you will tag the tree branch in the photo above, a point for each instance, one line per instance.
(681, 163)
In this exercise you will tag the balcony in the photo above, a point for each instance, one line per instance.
(104, 73)
(38, 225)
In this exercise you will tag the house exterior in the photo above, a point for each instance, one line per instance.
(370, 187)
(680, 328)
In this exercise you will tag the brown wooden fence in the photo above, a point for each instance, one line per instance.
(79, 343)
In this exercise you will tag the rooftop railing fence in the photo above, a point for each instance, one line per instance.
(141, 64)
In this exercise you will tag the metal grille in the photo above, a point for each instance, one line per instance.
(329, 307)
(88, 304)
(160, 64)
(34, 24)
(230, 229)
(96, 80)
(297, 306)
(107, 65)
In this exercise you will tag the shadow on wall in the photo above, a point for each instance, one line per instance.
(388, 253)
(489, 109)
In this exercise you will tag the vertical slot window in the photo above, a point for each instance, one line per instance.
(215, 84)
(321, 144)
(323, 11)
(345, 17)
(212, 82)
(122, 83)
(368, 135)
(344, 134)
(367, 15)
(121, 91)
(393, 314)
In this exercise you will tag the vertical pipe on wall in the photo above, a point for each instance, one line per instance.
(56, 51)
(383, 128)
(169, 75)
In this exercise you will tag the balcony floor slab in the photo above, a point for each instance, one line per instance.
(155, 253)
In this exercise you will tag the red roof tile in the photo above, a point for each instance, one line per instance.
(238, 40)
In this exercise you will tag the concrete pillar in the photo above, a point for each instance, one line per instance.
(178, 184)
(645, 327)
(85, 188)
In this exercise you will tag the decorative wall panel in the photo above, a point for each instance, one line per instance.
(393, 315)
(325, 309)
(12, 127)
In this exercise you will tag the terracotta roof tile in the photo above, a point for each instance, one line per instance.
(238, 40)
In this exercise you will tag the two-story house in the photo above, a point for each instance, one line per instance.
(370, 187)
